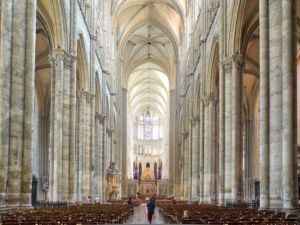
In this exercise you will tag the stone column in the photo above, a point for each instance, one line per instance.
(202, 116)
(73, 81)
(186, 161)
(180, 170)
(124, 143)
(264, 103)
(105, 124)
(92, 142)
(57, 64)
(236, 128)
(99, 154)
(114, 155)
(62, 83)
(222, 52)
(289, 106)
(201, 156)
(81, 145)
(190, 154)
(92, 92)
(109, 132)
(221, 177)
(177, 170)
(6, 29)
(248, 158)
(28, 102)
(103, 157)
(195, 158)
(172, 141)
(87, 151)
(275, 72)
(228, 128)
(207, 150)
(68, 61)
(96, 164)
(214, 156)
(17, 64)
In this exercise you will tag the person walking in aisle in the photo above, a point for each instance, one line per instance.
(151, 208)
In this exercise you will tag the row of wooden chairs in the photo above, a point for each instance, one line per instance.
(212, 214)
(70, 215)
(239, 205)
(49, 204)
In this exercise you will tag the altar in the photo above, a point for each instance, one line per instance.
(147, 189)
(147, 181)
(147, 185)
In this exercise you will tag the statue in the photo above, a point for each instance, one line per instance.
(155, 171)
(135, 169)
(112, 165)
(140, 172)
(159, 177)
(45, 182)
(112, 168)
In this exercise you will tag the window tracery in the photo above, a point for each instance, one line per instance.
(148, 126)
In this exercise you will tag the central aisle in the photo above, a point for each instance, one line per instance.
(140, 216)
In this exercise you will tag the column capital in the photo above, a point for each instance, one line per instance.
(89, 96)
(56, 55)
(195, 120)
(69, 59)
(237, 58)
(61, 55)
(202, 40)
(93, 36)
(206, 100)
(227, 64)
(217, 37)
(185, 134)
(104, 70)
(109, 131)
(100, 117)
(214, 99)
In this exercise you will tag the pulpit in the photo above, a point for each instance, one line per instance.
(114, 182)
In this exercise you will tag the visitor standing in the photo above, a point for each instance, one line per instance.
(151, 208)
(129, 202)
(88, 200)
(257, 201)
(173, 201)
(98, 200)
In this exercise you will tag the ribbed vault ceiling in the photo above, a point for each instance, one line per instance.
(148, 34)
(148, 88)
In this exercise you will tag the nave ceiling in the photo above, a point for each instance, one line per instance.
(148, 35)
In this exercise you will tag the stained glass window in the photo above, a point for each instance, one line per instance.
(149, 126)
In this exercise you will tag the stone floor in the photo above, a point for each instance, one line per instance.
(140, 216)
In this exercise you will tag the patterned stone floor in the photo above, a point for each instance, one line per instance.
(140, 216)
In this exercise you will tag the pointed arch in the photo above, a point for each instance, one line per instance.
(98, 97)
(213, 68)
(82, 65)
(235, 29)
(52, 14)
